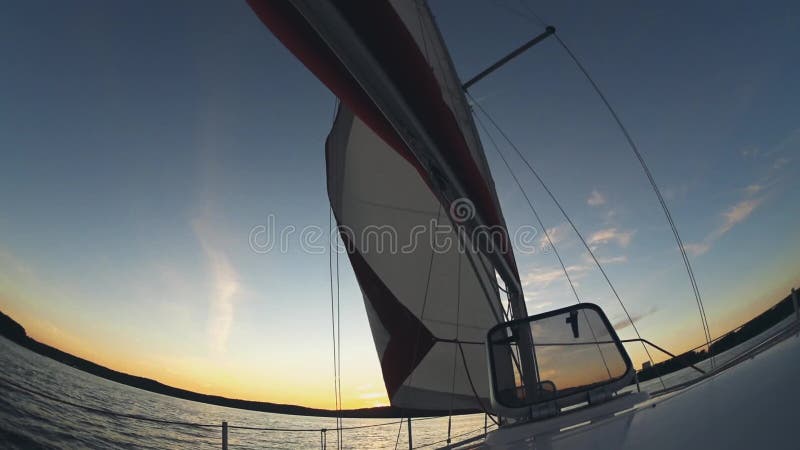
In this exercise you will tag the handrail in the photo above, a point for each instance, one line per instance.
(663, 350)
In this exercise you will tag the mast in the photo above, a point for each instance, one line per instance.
(516, 297)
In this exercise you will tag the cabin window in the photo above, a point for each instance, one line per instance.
(575, 350)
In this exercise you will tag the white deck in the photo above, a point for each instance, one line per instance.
(753, 405)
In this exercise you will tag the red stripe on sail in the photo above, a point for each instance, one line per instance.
(409, 339)
(292, 29)
(390, 42)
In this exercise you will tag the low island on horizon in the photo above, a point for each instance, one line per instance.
(13, 331)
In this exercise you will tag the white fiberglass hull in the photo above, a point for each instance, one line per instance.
(752, 405)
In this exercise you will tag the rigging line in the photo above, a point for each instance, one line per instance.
(488, 295)
(339, 343)
(653, 184)
(544, 230)
(536, 18)
(421, 318)
(472, 385)
(397, 439)
(514, 10)
(572, 225)
(335, 324)
(333, 319)
(486, 291)
(455, 354)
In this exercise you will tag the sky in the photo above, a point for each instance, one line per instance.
(142, 142)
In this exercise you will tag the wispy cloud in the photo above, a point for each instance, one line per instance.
(557, 235)
(607, 260)
(544, 277)
(541, 277)
(596, 198)
(736, 214)
(753, 189)
(635, 318)
(623, 238)
(224, 290)
(697, 248)
(542, 305)
(674, 192)
(780, 163)
(750, 152)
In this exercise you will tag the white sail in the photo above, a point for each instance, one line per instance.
(416, 294)
(403, 156)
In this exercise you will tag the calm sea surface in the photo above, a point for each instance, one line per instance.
(30, 421)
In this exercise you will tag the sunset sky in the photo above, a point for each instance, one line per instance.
(141, 143)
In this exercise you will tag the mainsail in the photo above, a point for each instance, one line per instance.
(404, 165)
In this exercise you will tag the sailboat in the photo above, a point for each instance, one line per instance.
(449, 319)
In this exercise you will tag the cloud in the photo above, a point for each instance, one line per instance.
(557, 235)
(780, 162)
(542, 305)
(623, 238)
(736, 214)
(611, 259)
(596, 198)
(753, 189)
(697, 249)
(674, 192)
(544, 277)
(607, 260)
(635, 318)
(224, 290)
(752, 152)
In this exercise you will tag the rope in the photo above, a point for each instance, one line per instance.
(571, 223)
(336, 328)
(455, 355)
(472, 385)
(333, 322)
(653, 184)
(397, 439)
(543, 228)
(421, 317)
(696, 290)
(339, 354)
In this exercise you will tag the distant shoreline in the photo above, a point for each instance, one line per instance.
(16, 333)
(740, 335)
(13, 331)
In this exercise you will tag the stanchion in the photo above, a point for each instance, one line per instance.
(410, 442)
(224, 435)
